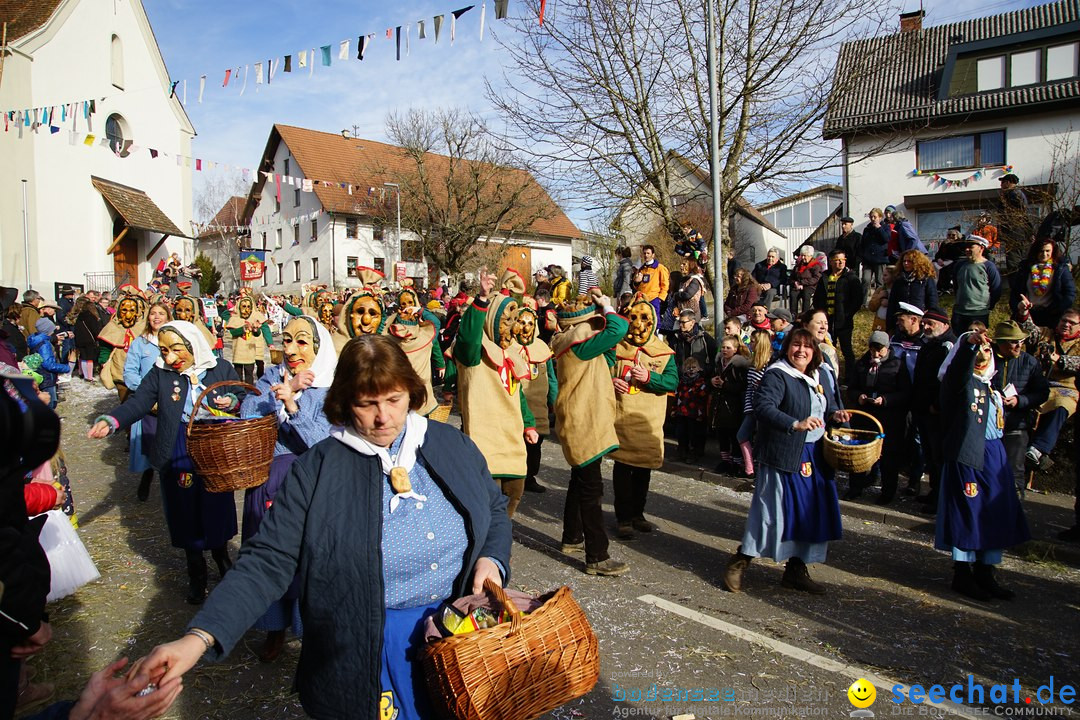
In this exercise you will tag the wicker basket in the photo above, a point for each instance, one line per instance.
(441, 412)
(854, 458)
(543, 660)
(233, 455)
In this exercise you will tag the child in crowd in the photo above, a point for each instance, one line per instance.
(729, 385)
(691, 411)
(760, 356)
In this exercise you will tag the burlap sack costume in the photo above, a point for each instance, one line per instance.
(585, 407)
(537, 353)
(123, 327)
(416, 338)
(250, 346)
(640, 413)
(490, 391)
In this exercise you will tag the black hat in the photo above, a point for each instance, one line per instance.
(847, 218)
(1010, 177)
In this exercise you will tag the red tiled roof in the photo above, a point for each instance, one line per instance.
(228, 216)
(367, 164)
(25, 16)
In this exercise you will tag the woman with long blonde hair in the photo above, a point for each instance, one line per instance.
(915, 284)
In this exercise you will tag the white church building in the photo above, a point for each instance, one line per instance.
(91, 194)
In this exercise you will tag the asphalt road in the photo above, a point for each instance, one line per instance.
(672, 641)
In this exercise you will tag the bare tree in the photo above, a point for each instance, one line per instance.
(1064, 183)
(458, 188)
(602, 96)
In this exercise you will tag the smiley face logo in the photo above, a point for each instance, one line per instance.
(861, 693)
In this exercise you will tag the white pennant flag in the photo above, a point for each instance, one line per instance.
(483, 13)
(343, 50)
(303, 58)
(202, 86)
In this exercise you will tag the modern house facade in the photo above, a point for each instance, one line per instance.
(943, 112)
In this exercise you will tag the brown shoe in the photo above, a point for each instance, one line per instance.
(643, 525)
(609, 567)
(271, 647)
(573, 548)
(797, 577)
(734, 571)
(624, 531)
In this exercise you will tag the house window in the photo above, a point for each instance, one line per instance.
(264, 241)
(1025, 68)
(379, 264)
(119, 136)
(296, 197)
(1061, 62)
(280, 274)
(820, 208)
(314, 230)
(783, 218)
(286, 173)
(296, 235)
(277, 239)
(377, 232)
(296, 270)
(350, 265)
(315, 268)
(800, 214)
(350, 227)
(991, 73)
(116, 62)
(961, 151)
(277, 204)
(265, 277)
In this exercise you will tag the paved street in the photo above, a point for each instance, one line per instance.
(889, 615)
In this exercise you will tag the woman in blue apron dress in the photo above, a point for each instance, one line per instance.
(294, 392)
(142, 355)
(979, 513)
(794, 512)
(198, 520)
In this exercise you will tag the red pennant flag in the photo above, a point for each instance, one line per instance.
(542, 3)
(227, 74)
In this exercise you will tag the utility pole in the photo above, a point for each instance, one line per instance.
(714, 172)
(397, 190)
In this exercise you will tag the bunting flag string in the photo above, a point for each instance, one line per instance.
(940, 180)
(46, 114)
(307, 58)
(363, 195)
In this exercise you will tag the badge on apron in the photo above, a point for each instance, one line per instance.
(185, 480)
(807, 469)
(971, 489)
(387, 711)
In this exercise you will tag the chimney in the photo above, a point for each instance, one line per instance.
(911, 21)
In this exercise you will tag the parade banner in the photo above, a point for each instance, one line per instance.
(252, 264)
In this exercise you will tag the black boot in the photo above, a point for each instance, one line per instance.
(797, 577)
(531, 485)
(984, 578)
(196, 568)
(734, 571)
(144, 485)
(221, 557)
(964, 583)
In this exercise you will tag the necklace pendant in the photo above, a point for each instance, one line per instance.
(399, 480)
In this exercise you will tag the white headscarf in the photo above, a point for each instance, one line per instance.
(986, 375)
(204, 357)
(415, 432)
(325, 359)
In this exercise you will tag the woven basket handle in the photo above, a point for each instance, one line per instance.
(880, 429)
(203, 394)
(493, 588)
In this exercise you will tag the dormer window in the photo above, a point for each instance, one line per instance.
(1024, 67)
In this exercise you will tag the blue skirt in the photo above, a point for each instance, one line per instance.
(142, 439)
(197, 519)
(285, 612)
(794, 514)
(404, 692)
(979, 509)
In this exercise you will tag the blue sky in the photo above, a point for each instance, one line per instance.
(198, 37)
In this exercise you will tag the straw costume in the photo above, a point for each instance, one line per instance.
(418, 339)
(126, 324)
(364, 312)
(541, 388)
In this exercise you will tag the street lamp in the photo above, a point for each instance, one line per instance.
(397, 189)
